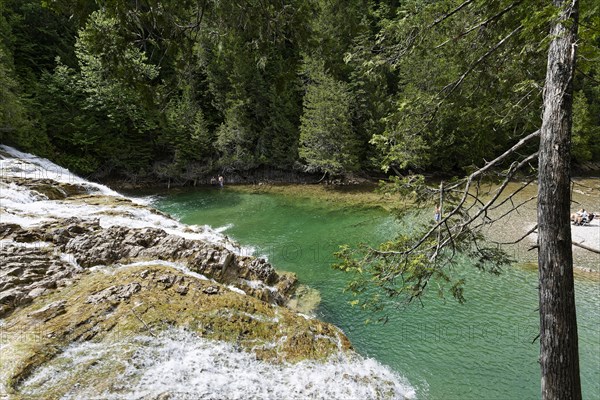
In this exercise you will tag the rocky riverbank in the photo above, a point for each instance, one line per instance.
(41, 258)
(94, 285)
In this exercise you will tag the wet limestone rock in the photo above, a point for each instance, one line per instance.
(87, 244)
(28, 272)
(114, 293)
(120, 244)
(95, 309)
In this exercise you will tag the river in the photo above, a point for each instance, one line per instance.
(483, 349)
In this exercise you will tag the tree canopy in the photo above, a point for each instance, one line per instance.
(181, 89)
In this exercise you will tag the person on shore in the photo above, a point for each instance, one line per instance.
(221, 180)
(213, 181)
(581, 217)
(437, 216)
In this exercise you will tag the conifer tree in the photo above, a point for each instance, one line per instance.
(327, 142)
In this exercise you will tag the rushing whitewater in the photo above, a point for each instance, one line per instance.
(27, 208)
(176, 363)
(185, 366)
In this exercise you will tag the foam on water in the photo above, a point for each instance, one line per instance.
(259, 285)
(13, 194)
(180, 267)
(221, 229)
(178, 362)
(27, 208)
(144, 200)
(25, 165)
(189, 367)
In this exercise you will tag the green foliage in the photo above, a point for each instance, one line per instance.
(181, 89)
(327, 143)
(585, 132)
(586, 102)
(13, 119)
(423, 258)
(188, 133)
(235, 139)
(463, 93)
(107, 114)
(38, 36)
(334, 27)
(251, 69)
(28, 39)
(387, 274)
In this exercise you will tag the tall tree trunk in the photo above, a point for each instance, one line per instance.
(559, 357)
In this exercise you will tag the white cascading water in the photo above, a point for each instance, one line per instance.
(178, 363)
(185, 366)
(26, 207)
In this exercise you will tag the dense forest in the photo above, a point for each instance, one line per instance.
(183, 89)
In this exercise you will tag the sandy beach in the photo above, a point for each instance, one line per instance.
(586, 194)
(588, 235)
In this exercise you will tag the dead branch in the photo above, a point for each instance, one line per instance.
(581, 184)
(529, 232)
(460, 228)
(497, 160)
(457, 83)
(593, 250)
(451, 13)
(533, 230)
(514, 168)
(483, 23)
(513, 194)
(515, 208)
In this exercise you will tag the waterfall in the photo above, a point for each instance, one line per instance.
(184, 366)
(176, 363)
(25, 206)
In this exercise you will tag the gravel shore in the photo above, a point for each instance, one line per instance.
(586, 194)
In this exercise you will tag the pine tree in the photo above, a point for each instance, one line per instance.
(327, 142)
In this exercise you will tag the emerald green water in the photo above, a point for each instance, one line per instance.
(480, 350)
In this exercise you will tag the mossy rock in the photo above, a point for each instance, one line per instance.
(104, 307)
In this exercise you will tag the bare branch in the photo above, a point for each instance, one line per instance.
(593, 250)
(498, 159)
(451, 13)
(529, 232)
(513, 194)
(533, 230)
(582, 185)
(515, 208)
(457, 83)
(514, 168)
(460, 228)
(483, 23)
